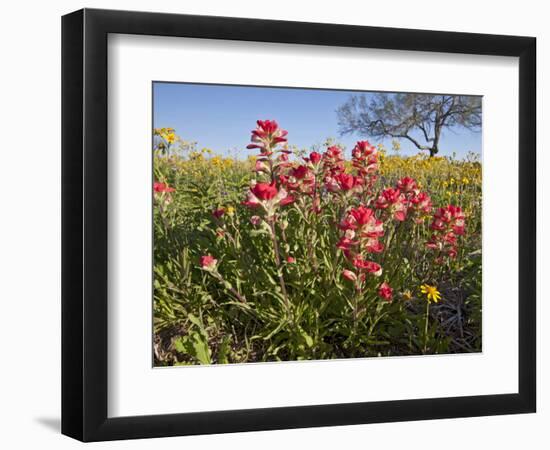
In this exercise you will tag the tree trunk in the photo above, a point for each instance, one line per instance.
(439, 121)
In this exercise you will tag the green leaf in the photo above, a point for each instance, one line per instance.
(181, 344)
(201, 350)
(195, 320)
(308, 339)
(194, 345)
(224, 350)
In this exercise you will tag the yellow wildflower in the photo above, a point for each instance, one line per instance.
(431, 292)
(216, 161)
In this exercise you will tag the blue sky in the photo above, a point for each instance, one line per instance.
(221, 117)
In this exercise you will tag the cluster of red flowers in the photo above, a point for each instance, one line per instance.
(405, 199)
(362, 226)
(394, 201)
(365, 162)
(448, 223)
(418, 202)
(335, 177)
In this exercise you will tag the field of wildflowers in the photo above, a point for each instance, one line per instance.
(294, 255)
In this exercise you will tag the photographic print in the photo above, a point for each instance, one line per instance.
(313, 224)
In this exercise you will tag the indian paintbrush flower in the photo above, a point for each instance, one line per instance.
(162, 188)
(385, 291)
(267, 136)
(208, 262)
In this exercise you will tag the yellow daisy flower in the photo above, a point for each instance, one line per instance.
(431, 292)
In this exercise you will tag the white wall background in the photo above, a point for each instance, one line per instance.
(30, 222)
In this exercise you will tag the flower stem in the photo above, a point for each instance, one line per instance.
(356, 308)
(271, 222)
(426, 326)
(230, 288)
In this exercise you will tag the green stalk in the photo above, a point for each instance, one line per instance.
(271, 222)
(229, 287)
(426, 326)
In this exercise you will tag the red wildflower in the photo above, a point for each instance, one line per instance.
(333, 160)
(362, 230)
(407, 184)
(300, 172)
(290, 260)
(314, 158)
(422, 202)
(451, 217)
(385, 292)
(251, 201)
(264, 191)
(331, 184)
(267, 136)
(268, 196)
(217, 213)
(208, 262)
(289, 182)
(345, 181)
(447, 224)
(362, 215)
(369, 266)
(364, 220)
(346, 243)
(286, 200)
(301, 179)
(162, 187)
(393, 200)
(374, 246)
(365, 157)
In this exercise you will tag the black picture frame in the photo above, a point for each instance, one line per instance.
(84, 224)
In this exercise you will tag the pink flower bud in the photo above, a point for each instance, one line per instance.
(349, 275)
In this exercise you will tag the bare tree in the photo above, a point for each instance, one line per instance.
(407, 116)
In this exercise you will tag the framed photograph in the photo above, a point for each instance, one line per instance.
(273, 224)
